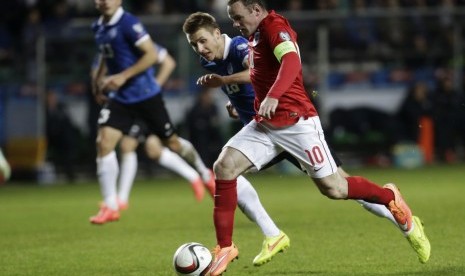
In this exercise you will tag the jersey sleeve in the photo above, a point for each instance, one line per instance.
(282, 40)
(240, 49)
(134, 31)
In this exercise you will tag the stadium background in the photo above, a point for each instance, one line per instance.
(360, 57)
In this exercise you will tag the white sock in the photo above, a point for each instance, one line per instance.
(378, 209)
(107, 173)
(175, 163)
(128, 170)
(190, 154)
(4, 166)
(250, 205)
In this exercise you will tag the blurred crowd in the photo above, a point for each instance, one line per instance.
(32, 17)
(429, 119)
(372, 43)
(78, 8)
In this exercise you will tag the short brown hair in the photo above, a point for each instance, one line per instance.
(248, 3)
(199, 20)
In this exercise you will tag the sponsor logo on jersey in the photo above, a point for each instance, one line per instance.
(242, 46)
(230, 68)
(138, 28)
(284, 36)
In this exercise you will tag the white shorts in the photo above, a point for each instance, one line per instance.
(305, 140)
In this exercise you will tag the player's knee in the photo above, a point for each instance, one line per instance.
(128, 145)
(153, 148)
(218, 166)
(153, 153)
(104, 147)
(224, 169)
(173, 144)
(107, 139)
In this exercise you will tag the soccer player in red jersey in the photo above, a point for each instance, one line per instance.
(286, 120)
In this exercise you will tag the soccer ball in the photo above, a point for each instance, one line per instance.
(192, 259)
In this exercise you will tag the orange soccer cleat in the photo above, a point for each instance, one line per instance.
(198, 188)
(221, 258)
(105, 215)
(399, 209)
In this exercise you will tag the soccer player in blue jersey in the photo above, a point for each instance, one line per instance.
(127, 55)
(154, 149)
(227, 59)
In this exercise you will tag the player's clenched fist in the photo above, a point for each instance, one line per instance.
(268, 107)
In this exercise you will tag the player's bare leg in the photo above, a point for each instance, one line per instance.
(172, 161)
(187, 151)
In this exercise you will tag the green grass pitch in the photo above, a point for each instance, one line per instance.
(44, 230)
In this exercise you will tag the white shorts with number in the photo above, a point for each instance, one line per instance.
(305, 140)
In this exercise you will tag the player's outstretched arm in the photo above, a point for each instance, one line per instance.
(239, 78)
(211, 80)
(215, 80)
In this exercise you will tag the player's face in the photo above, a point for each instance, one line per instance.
(244, 19)
(107, 7)
(209, 45)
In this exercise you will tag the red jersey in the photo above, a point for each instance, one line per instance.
(264, 67)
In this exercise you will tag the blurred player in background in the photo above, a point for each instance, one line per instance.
(153, 145)
(125, 66)
(5, 169)
(286, 120)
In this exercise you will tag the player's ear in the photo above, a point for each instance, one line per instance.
(217, 33)
(256, 9)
